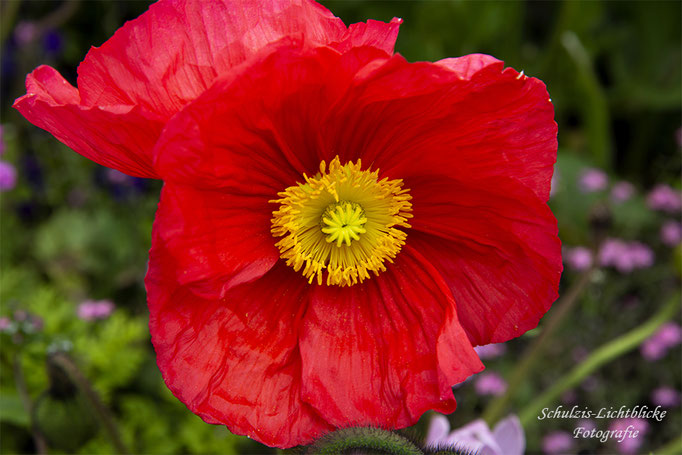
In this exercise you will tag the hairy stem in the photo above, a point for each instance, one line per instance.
(369, 439)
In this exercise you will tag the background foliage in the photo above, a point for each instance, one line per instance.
(72, 230)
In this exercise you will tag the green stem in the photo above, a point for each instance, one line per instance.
(65, 362)
(560, 309)
(598, 358)
(366, 439)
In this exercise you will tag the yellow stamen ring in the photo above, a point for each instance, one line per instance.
(343, 222)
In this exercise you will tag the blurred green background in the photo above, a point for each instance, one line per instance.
(74, 233)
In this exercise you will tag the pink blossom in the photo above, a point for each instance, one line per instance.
(490, 384)
(587, 424)
(4, 323)
(8, 176)
(671, 233)
(25, 32)
(664, 198)
(625, 256)
(656, 346)
(91, 310)
(622, 191)
(578, 258)
(633, 434)
(666, 397)
(592, 180)
(557, 442)
(670, 334)
(117, 177)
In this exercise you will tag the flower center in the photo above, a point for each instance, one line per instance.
(343, 223)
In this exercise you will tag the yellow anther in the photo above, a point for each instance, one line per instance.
(343, 223)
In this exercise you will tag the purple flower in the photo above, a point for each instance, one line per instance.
(666, 397)
(592, 180)
(656, 346)
(557, 442)
(490, 384)
(53, 42)
(506, 439)
(671, 233)
(641, 255)
(652, 350)
(92, 310)
(8, 176)
(669, 334)
(578, 258)
(25, 32)
(490, 351)
(625, 256)
(4, 323)
(117, 177)
(633, 431)
(622, 191)
(665, 199)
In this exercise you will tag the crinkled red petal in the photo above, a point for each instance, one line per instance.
(259, 129)
(495, 243)
(464, 117)
(156, 64)
(215, 239)
(172, 53)
(119, 137)
(234, 360)
(385, 351)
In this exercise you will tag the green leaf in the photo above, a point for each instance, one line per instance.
(12, 409)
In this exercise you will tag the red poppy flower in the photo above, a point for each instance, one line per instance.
(337, 227)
